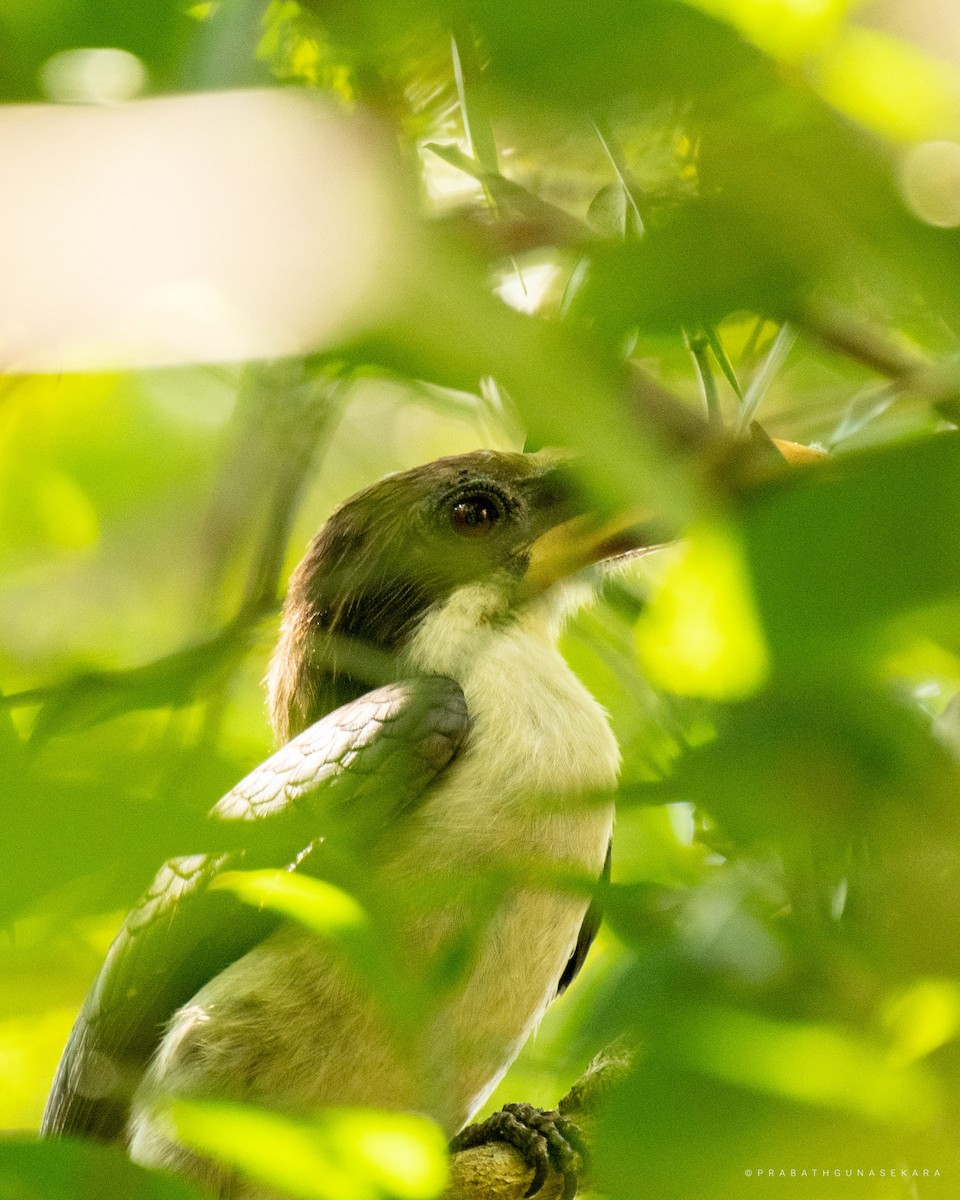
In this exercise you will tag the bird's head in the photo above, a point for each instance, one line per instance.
(484, 536)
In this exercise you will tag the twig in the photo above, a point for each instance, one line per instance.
(760, 384)
(172, 681)
(675, 424)
(617, 160)
(698, 346)
(854, 339)
(720, 354)
(937, 381)
(565, 229)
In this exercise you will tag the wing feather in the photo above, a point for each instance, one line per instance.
(348, 776)
(588, 930)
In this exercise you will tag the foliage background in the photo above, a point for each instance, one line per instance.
(750, 203)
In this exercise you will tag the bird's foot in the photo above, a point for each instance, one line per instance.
(543, 1138)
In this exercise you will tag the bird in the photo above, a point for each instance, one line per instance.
(433, 736)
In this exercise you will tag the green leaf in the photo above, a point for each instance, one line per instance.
(337, 917)
(156, 33)
(810, 1063)
(473, 103)
(720, 353)
(765, 375)
(32, 1170)
(702, 264)
(699, 635)
(341, 1154)
(837, 549)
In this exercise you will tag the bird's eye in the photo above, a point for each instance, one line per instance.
(475, 516)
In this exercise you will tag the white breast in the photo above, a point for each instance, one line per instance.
(287, 1022)
(533, 721)
(525, 792)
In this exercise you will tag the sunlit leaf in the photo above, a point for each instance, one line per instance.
(922, 1018)
(787, 29)
(891, 87)
(322, 907)
(814, 1064)
(49, 1170)
(341, 1154)
(337, 917)
(700, 635)
(822, 546)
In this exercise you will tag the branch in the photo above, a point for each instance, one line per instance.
(937, 381)
(173, 681)
(517, 201)
(497, 1171)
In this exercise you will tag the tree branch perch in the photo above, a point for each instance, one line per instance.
(496, 1171)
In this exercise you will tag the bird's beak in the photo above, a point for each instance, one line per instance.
(798, 455)
(569, 546)
(577, 543)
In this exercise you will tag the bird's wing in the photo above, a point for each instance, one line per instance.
(371, 758)
(588, 930)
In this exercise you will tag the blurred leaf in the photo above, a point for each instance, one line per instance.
(321, 906)
(44, 508)
(565, 55)
(607, 213)
(31, 1170)
(922, 1018)
(345, 1154)
(697, 267)
(874, 761)
(786, 29)
(683, 1135)
(890, 87)
(813, 1064)
(839, 548)
(30, 34)
(337, 917)
(699, 635)
(819, 201)
(576, 56)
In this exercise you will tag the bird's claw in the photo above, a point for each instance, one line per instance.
(544, 1138)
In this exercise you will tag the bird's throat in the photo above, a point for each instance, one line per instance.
(532, 718)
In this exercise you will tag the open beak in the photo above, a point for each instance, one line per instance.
(797, 454)
(581, 541)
